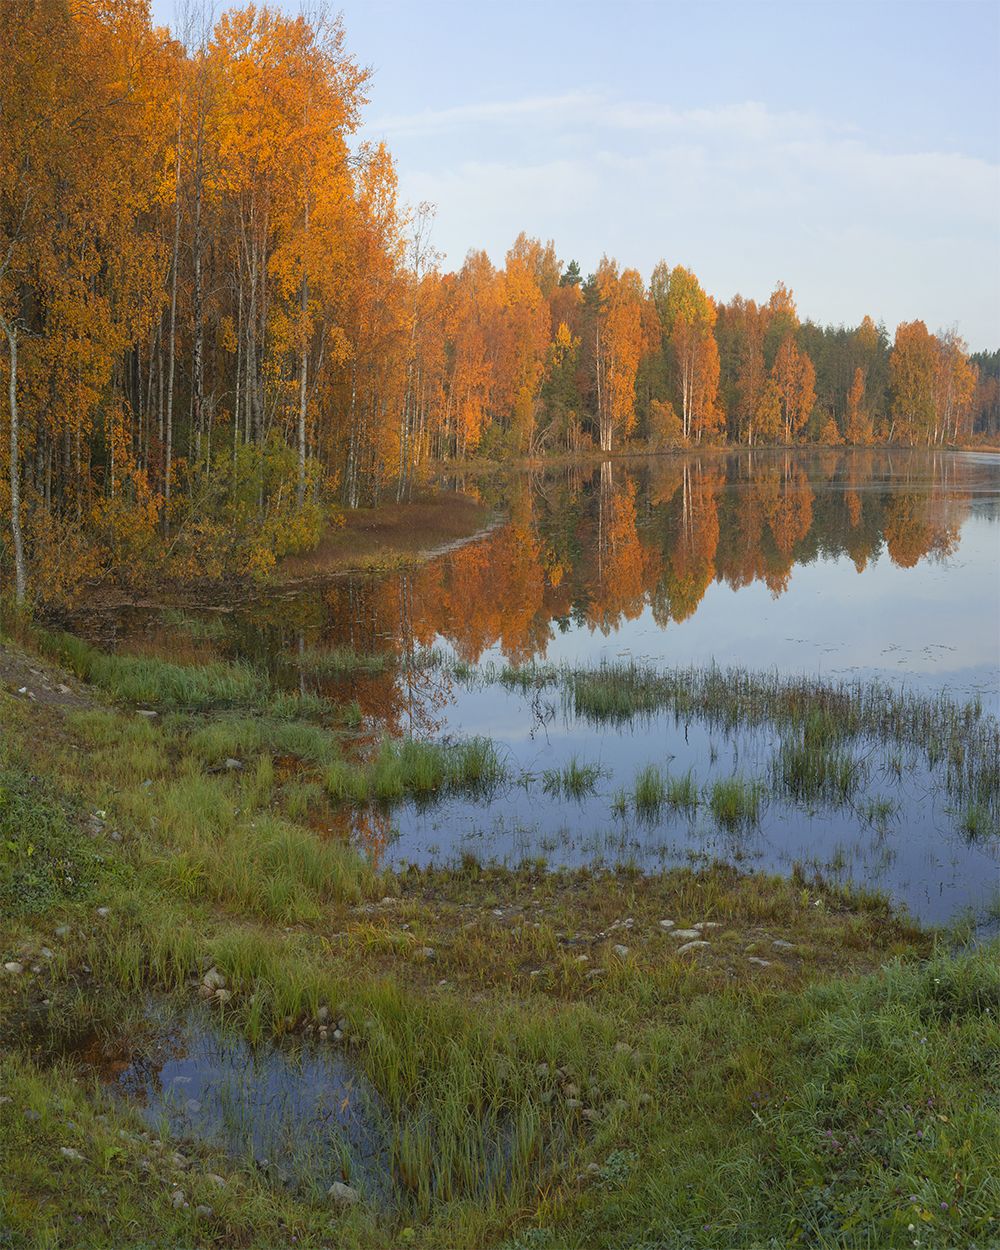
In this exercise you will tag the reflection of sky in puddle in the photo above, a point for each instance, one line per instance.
(306, 1117)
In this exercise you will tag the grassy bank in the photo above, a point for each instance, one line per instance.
(561, 1068)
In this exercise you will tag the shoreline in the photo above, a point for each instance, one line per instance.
(631, 1022)
(392, 537)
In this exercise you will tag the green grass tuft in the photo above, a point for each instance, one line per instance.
(45, 859)
(340, 662)
(573, 780)
(735, 803)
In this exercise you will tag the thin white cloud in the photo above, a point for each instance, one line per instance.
(744, 194)
(497, 112)
(750, 120)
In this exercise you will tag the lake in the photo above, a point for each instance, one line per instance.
(838, 566)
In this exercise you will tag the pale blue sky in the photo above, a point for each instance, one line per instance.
(849, 149)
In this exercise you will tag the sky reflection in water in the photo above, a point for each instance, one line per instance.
(837, 564)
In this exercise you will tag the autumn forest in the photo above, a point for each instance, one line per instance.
(219, 320)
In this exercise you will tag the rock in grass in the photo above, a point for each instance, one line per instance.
(621, 951)
(218, 1181)
(13, 967)
(691, 946)
(781, 945)
(761, 963)
(213, 980)
(177, 1199)
(68, 1152)
(343, 1195)
(685, 934)
(667, 924)
(203, 1211)
(234, 765)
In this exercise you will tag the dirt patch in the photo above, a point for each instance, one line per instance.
(391, 536)
(22, 674)
(531, 933)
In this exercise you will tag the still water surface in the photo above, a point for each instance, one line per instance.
(841, 565)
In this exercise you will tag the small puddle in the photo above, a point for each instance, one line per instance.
(305, 1117)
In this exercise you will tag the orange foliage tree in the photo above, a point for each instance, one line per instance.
(795, 381)
(217, 318)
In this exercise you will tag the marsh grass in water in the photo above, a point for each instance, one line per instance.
(574, 780)
(411, 768)
(649, 792)
(217, 740)
(682, 792)
(832, 734)
(154, 682)
(655, 788)
(735, 803)
(813, 764)
(978, 821)
(878, 811)
(818, 720)
(204, 628)
(340, 661)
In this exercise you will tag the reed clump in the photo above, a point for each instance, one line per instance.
(340, 661)
(735, 803)
(574, 780)
(412, 768)
(818, 721)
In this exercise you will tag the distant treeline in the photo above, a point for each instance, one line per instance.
(217, 319)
